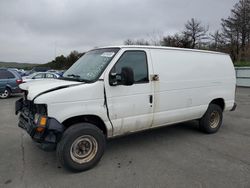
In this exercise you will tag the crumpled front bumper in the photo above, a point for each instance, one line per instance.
(52, 132)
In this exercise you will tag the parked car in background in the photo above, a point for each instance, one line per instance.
(22, 72)
(61, 72)
(9, 82)
(40, 75)
(40, 69)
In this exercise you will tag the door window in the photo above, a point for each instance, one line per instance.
(50, 75)
(137, 61)
(4, 74)
(38, 76)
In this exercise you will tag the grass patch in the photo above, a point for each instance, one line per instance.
(242, 64)
(17, 65)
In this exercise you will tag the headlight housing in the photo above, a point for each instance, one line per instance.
(40, 117)
(40, 121)
(36, 118)
(41, 109)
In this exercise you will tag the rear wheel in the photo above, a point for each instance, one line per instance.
(5, 94)
(81, 147)
(212, 119)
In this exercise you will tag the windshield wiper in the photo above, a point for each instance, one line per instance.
(74, 75)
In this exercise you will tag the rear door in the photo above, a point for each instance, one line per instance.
(7, 79)
(131, 107)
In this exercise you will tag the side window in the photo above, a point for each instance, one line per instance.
(38, 76)
(4, 74)
(50, 76)
(137, 60)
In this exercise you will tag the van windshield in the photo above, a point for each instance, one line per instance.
(91, 65)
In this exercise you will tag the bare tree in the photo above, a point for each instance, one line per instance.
(155, 38)
(195, 32)
(177, 40)
(217, 40)
(142, 42)
(128, 42)
(136, 42)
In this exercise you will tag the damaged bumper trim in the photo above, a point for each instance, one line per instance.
(49, 137)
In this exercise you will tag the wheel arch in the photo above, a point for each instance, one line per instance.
(220, 102)
(94, 119)
(8, 87)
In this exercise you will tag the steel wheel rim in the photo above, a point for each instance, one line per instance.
(5, 94)
(83, 149)
(214, 119)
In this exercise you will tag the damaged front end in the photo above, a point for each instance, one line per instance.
(33, 118)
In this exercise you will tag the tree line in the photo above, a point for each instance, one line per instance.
(233, 37)
(62, 63)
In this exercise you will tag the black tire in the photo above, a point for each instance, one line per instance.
(75, 141)
(211, 120)
(6, 94)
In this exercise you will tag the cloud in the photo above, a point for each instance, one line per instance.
(31, 31)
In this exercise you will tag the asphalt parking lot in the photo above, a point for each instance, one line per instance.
(174, 156)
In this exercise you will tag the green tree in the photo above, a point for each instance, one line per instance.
(72, 58)
(236, 29)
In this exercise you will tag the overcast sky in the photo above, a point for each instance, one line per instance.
(34, 31)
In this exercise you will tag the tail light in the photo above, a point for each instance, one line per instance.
(19, 81)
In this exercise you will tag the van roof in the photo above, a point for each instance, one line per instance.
(165, 48)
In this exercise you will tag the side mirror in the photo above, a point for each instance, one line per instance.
(125, 78)
(113, 81)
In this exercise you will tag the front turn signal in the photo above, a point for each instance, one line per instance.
(43, 121)
(41, 124)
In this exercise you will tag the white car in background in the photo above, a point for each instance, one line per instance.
(40, 76)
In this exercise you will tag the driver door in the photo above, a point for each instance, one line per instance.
(131, 107)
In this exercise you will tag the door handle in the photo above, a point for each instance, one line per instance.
(150, 99)
(155, 77)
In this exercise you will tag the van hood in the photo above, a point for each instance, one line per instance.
(38, 87)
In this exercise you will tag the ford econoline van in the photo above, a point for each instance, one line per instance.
(113, 91)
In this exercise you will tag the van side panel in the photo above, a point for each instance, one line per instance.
(188, 82)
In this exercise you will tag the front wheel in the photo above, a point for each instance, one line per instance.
(81, 147)
(212, 119)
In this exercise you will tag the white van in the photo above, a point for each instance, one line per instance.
(118, 90)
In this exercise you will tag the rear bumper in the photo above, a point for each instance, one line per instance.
(16, 90)
(234, 107)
